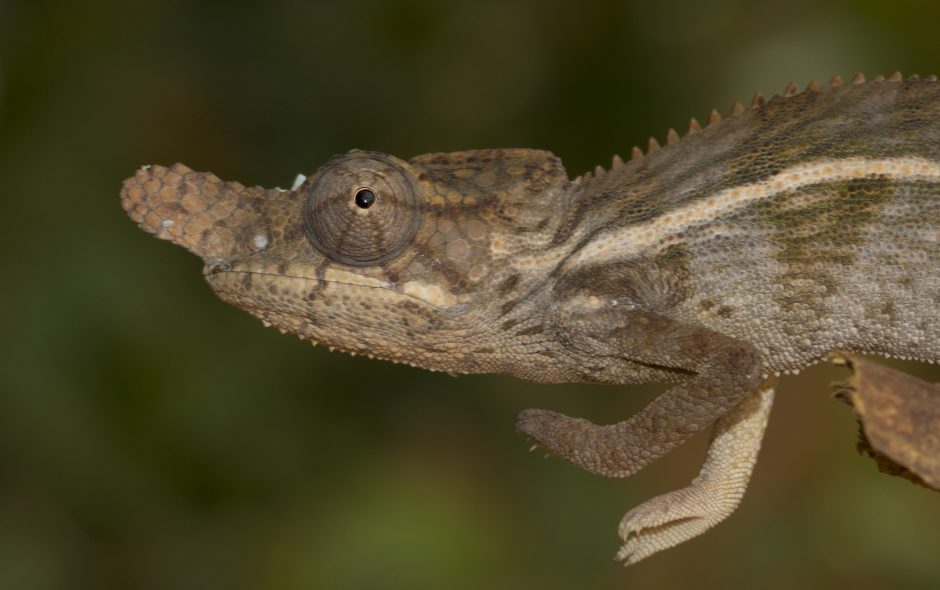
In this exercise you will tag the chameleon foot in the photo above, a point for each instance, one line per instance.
(678, 516)
(670, 519)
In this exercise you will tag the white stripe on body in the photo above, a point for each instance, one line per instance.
(657, 233)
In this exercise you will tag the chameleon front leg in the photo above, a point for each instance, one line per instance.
(723, 372)
(676, 517)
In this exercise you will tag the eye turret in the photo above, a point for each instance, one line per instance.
(362, 209)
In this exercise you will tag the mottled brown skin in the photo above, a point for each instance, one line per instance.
(749, 248)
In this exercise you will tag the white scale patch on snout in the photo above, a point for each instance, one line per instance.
(298, 181)
(260, 241)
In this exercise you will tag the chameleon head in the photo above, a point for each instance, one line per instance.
(372, 254)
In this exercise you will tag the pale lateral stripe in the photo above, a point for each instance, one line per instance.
(632, 240)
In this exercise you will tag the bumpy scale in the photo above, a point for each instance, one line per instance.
(749, 248)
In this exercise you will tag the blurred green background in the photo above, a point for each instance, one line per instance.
(152, 437)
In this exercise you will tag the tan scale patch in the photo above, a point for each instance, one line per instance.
(432, 294)
(445, 224)
(336, 275)
(477, 272)
(458, 250)
(476, 230)
(486, 179)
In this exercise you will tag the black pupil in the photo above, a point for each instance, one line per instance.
(365, 198)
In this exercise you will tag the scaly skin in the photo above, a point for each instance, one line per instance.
(747, 249)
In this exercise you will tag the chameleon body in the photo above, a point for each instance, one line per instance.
(745, 250)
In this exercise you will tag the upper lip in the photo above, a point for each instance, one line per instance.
(219, 266)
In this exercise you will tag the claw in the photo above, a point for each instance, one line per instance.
(624, 556)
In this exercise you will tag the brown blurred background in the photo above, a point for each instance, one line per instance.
(152, 437)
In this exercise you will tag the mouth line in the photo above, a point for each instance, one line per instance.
(216, 270)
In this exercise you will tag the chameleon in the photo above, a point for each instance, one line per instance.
(745, 250)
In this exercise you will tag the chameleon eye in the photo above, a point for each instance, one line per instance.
(365, 198)
(364, 230)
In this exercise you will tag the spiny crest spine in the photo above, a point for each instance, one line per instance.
(757, 102)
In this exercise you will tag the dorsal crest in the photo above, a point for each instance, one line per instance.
(758, 102)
